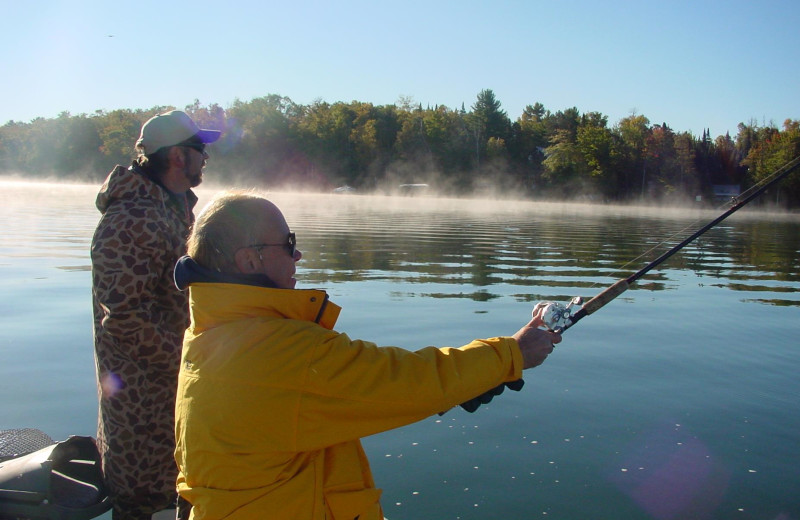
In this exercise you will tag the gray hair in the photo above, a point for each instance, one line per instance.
(229, 222)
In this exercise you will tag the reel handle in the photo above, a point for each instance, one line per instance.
(558, 317)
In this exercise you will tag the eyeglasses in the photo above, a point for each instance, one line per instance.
(194, 145)
(290, 245)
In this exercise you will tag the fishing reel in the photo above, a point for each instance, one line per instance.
(557, 317)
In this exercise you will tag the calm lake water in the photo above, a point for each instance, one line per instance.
(680, 399)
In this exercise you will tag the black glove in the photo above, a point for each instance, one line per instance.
(475, 403)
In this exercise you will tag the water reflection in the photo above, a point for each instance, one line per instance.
(532, 250)
(555, 251)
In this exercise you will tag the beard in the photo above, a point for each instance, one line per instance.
(194, 178)
(192, 172)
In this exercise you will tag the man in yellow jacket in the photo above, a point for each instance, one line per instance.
(272, 402)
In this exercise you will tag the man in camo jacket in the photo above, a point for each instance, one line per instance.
(139, 314)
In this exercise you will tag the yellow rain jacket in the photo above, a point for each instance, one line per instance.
(272, 403)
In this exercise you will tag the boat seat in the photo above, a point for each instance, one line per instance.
(60, 481)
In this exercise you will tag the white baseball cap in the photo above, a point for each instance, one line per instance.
(169, 129)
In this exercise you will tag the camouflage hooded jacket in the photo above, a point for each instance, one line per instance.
(139, 314)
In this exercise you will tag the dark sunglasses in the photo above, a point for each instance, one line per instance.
(194, 144)
(290, 245)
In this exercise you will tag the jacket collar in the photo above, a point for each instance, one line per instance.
(188, 272)
(217, 297)
(214, 304)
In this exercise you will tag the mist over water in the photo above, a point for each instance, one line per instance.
(676, 400)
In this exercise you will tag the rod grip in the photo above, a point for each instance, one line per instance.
(606, 296)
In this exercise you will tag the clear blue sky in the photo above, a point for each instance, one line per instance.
(692, 64)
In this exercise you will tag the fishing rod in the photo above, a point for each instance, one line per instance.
(558, 317)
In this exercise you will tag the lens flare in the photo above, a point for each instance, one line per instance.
(111, 383)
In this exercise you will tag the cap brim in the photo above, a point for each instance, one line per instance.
(208, 136)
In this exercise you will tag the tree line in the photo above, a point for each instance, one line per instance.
(273, 142)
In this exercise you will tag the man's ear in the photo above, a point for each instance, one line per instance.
(177, 157)
(247, 260)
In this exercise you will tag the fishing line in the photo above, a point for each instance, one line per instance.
(696, 222)
(558, 317)
(650, 251)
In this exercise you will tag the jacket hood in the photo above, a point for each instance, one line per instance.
(187, 272)
(131, 184)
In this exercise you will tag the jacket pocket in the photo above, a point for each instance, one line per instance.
(349, 505)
